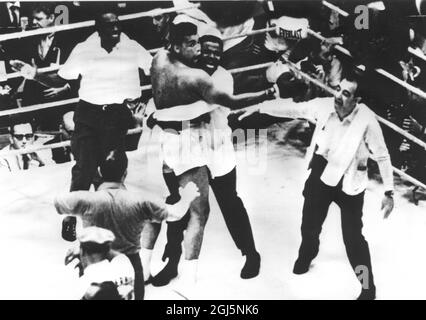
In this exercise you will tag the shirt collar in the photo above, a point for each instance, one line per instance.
(13, 4)
(112, 185)
(349, 118)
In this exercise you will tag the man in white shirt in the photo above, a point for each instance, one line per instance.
(107, 64)
(22, 137)
(347, 134)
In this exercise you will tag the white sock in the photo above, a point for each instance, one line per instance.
(146, 255)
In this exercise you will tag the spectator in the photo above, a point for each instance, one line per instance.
(22, 137)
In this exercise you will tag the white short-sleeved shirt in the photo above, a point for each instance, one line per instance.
(222, 159)
(107, 78)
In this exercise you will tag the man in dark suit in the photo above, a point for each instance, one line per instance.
(10, 17)
(44, 51)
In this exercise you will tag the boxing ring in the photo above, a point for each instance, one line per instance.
(33, 250)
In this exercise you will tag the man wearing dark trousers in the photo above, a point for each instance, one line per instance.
(107, 65)
(346, 135)
(222, 178)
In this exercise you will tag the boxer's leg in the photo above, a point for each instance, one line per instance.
(199, 211)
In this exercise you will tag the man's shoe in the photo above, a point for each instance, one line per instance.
(367, 294)
(301, 267)
(251, 267)
(163, 278)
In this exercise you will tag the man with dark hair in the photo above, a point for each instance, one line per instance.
(347, 134)
(176, 81)
(107, 65)
(123, 212)
(222, 169)
(22, 137)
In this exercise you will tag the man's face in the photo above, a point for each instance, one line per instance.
(42, 20)
(189, 50)
(211, 53)
(160, 23)
(22, 135)
(109, 28)
(345, 99)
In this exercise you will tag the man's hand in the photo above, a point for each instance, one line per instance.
(387, 206)
(412, 126)
(72, 253)
(189, 192)
(26, 70)
(246, 112)
(178, 210)
(55, 92)
(151, 122)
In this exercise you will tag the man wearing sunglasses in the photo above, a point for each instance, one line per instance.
(21, 137)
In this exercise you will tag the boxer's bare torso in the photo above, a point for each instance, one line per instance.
(174, 83)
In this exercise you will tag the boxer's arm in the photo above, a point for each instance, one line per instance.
(213, 95)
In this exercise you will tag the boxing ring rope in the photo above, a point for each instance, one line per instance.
(346, 14)
(299, 72)
(335, 8)
(379, 70)
(380, 119)
(243, 69)
(90, 23)
(62, 144)
(75, 100)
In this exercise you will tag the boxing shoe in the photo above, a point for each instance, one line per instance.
(69, 228)
(169, 272)
(251, 267)
(301, 267)
(368, 294)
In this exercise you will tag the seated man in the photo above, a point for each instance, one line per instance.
(22, 137)
(121, 211)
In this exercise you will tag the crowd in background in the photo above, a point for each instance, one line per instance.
(393, 27)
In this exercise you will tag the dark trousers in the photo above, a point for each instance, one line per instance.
(139, 280)
(98, 130)
(234, 213)
(318, 197)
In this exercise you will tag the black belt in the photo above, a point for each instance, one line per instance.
(103, 107)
